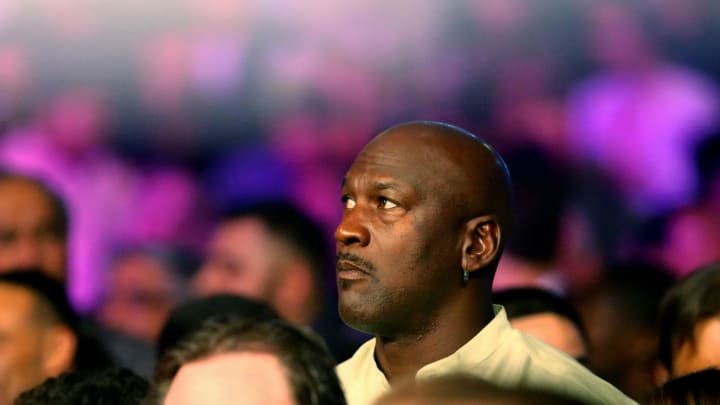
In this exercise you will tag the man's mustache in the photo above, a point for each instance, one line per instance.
(357, 261)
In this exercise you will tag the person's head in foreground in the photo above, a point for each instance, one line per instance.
(546, 316)
(190, 316)
(690, 323)
(33, 226)
(464, 389)
(38, 331)
(109, 386)
(698, 388)
(427, 208)
(248, 362)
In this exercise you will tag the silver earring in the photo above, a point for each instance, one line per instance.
(466, 276)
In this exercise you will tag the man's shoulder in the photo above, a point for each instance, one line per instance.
(361, 359)
(541, 366)
(360, 378)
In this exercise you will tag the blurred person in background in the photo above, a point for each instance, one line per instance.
(639, 115)
(65, 146)
(145, 284)
(33, 226)
(690, 324)
(106, 386)
(692, 234)
(38, 332)
(112, 202)
(540, 189)
(249, 362)
(548, 317)
(621, 321)
(273, 252)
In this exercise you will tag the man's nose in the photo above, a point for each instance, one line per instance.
(351, 229)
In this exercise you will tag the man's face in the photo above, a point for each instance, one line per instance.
(28, 234)
(704, 353)
(231, 378)
(240, 260)
(398, 243)
(21, 361)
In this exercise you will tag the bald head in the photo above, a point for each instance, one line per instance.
(464, 168)
(426, 206)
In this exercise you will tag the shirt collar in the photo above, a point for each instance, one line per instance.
(471, 353)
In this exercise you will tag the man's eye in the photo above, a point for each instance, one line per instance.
(348, 202)
(385, 204)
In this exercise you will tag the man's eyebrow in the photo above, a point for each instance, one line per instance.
(381, 185)
(385, 185)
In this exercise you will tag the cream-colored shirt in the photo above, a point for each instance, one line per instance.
(498, 354)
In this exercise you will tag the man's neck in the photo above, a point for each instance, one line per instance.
(403, 356)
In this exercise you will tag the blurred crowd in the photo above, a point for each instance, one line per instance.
(177, 133)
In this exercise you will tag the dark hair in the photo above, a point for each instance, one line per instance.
(690, 301)
(53, 304)
(309, 366)
(707, 161)
(108, 386)
(60, 217)
(699, 388)
(54, 307)
(540, 188)
(190, 316)
(287, 222)
(530, 301)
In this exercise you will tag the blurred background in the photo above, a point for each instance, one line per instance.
(150, 118)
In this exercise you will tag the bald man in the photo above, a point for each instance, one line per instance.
(427, 208)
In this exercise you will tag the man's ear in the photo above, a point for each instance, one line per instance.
(481, 242)
(59, 346)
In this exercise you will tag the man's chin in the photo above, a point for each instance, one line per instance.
(353, 317)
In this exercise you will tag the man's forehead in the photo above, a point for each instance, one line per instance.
(415, 154)
(385, 170)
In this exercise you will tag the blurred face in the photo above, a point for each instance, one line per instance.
(29, 236)
(240, 260)
(616, 38)
(704, 353)
(555, 330)
(398, 243)
(231, 378)
(21, 360)
(77, 119)
(140, 296)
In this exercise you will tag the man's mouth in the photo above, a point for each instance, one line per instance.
(351, 267)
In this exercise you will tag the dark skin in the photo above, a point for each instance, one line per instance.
(423, 202)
